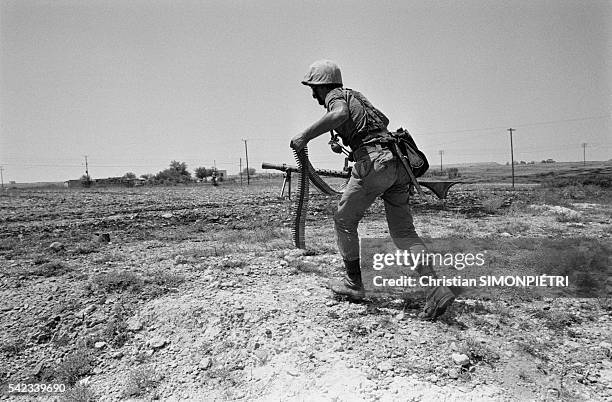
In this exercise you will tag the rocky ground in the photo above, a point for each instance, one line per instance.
(198, 293)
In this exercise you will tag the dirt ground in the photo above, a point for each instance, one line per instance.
(198, 293)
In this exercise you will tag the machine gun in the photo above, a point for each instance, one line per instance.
(439, 188)
(288, 169)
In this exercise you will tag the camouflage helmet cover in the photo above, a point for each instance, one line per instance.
(323, 72)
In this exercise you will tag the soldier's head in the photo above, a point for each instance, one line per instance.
(322, 77)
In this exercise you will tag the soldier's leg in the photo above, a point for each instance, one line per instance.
(370, 178)
(405, 237)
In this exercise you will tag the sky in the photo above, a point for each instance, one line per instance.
(133, 85)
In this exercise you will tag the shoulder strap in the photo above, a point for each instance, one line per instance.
(373, 114)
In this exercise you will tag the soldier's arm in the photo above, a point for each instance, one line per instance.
(337, 115)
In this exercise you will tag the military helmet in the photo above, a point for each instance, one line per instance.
(323, 72)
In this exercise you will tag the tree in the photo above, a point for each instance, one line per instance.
(129, 176)
(251, 171)
(202, 173)
(180, 168)
(147, 176)
(176, 173)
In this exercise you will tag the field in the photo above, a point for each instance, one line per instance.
(198, 292)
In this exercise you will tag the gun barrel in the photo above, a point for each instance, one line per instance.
(283, 168)
(289, 168)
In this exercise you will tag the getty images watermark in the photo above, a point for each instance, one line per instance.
(533, 267)
(393, 262)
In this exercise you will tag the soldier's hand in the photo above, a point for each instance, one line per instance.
(298, 142)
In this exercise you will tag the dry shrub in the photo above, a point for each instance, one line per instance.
(141, 381)
(8, 244)
(164, 279)
(493, 205)
(119, 281)
(49, 269)
(514, 227)
(115, 332)
(74, 366)
(79, 393)
(557, 320)
(478, 351)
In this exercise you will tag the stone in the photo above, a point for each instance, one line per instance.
(460, 359)
(99, 345)
(102, 237)
(38, 369)
(134, 324)
(157, 342)
(261, 354)
(86, 311)
(56, 246)
(205, 363)
(167, 215)
(432, 378)
(384, 366)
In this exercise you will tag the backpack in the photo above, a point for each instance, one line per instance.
(418, 160)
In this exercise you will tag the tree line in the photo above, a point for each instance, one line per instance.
(177, 172)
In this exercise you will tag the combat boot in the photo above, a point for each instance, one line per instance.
(440, 298)
(351, 284)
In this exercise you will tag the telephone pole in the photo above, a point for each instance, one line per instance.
(240, 171)
(441, 152)
(512, 155)
(86, 168)
(2, 176)
(246, 152)
(584, 145)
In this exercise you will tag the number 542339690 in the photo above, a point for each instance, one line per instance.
(36, 388)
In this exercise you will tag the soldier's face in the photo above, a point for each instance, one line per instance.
(317, 94)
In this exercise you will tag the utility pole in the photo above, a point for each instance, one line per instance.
(2, 176)
(86, 168)
(512, 155)
(246, 151)
(584, 145)
(441, 152)
(240, 171)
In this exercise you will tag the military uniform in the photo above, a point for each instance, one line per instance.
(377, 173)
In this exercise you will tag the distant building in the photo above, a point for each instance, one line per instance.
(221, 174)
(74, 183)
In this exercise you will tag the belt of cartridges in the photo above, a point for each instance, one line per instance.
(307, 174)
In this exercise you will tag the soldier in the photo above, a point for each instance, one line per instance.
(377, 172)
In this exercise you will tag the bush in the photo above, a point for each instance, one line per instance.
(74, 366)
(140, 381)
(79, 393)
(119, 281)
(599, 180)
(53, 268)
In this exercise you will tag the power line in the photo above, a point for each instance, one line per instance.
(516, 125)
